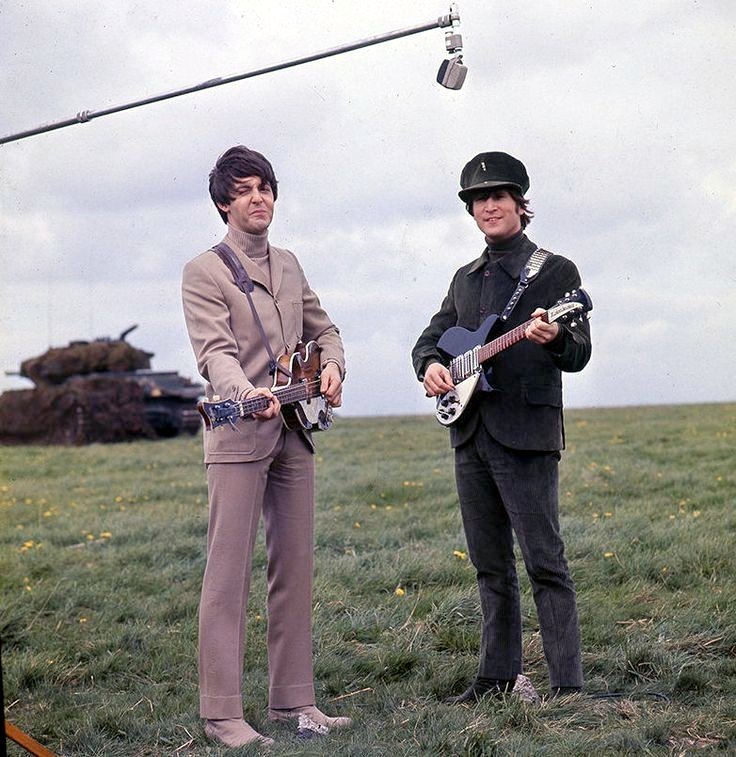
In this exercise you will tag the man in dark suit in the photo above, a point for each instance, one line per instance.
(507, 442)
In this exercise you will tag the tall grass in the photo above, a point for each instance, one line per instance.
(103, 551)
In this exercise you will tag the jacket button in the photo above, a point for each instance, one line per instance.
(487, 273)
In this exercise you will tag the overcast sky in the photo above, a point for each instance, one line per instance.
(622, 112)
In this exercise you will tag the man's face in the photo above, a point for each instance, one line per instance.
(252, 208)
(497, 214)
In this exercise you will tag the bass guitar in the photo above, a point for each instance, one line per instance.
(469, 350)
(302, 405)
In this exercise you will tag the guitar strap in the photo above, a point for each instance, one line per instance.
(533, 266)
(244, 282)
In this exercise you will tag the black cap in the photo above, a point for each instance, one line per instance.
(492, 169)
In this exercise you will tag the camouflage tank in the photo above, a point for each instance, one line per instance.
(98, 391)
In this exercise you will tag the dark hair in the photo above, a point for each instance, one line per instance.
(237, 163)
(521, 202)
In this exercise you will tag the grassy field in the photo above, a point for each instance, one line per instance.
(103, 551)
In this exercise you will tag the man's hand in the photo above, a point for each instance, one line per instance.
(330, 386)
(274, 407)
(540, 332)
(437, 380)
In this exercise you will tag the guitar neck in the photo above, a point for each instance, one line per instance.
(286, 395)
(487, 351)
(469, 362)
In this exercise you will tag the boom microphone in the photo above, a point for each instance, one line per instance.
(452, 72)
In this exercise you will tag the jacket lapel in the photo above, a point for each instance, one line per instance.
(277, 268)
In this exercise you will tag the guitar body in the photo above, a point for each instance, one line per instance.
(469, 350)
(456, 341)
(302, 406)
(313, 413)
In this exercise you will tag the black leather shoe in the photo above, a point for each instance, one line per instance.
(481, 687)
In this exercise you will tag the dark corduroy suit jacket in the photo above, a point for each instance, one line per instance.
(524, 410)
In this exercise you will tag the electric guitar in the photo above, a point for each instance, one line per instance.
(469, 351)
(302, 405)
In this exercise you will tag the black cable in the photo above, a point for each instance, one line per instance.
(630, 695)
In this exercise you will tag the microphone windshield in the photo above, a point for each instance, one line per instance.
(452, 73)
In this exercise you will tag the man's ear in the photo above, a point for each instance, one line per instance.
(223, 208)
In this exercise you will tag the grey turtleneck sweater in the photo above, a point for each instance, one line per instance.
(255, 246)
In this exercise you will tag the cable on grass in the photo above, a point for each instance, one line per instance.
(658, 695)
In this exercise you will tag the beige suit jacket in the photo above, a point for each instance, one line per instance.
(227, 344)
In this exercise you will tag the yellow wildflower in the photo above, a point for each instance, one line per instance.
(459, 554)
(399, 592)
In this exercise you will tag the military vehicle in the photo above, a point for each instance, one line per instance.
(98, 391)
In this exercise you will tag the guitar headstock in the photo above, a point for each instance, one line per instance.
(574, 305)
(218, 413)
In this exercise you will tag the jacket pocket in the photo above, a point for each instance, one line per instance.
(543, 394)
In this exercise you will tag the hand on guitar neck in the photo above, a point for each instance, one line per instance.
(539, 331)
(274, 406)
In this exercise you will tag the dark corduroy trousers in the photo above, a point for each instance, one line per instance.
(504, 492)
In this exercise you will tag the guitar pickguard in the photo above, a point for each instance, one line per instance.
(312, 415)
(452, 404)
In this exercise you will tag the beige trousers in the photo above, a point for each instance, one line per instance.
(281, 486)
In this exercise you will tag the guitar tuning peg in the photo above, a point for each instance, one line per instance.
(573, 324)
(215, 397)
(207, 399)
(567, 294)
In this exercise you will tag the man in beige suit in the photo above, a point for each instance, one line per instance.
(262, 467)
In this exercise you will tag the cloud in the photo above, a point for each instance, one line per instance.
(622, 115)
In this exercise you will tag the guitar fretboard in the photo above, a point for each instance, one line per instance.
(286, 395)
(469, 362)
